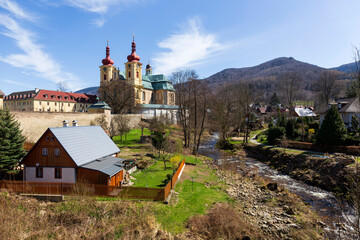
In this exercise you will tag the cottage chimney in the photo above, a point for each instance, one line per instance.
(65, 123)
(37, 90)
(75, 123)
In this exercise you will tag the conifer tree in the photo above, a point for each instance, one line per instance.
(274, 100)
(355, 123)
(11, 143)
(332, 130)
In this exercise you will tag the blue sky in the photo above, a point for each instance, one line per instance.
(48, 41)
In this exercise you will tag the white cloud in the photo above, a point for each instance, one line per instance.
(190, 47)
(33, 59)
(100, 7)
(16, 10)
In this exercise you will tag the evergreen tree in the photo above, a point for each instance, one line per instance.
(281, 121)
(353, 90)
(274, 100)
(11, 143)
(332, 130)
(290, 129)
(354, 123)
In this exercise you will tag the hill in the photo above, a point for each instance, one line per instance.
(346, 68)
(265, 75)
(89, 90)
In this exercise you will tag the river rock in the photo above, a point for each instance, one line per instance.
(272, 186)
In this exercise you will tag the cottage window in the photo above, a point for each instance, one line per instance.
(39, 172)
(47, 138)
(39, 102)
(58, 173)
(57, 152)
(44, 151)
(52, 139)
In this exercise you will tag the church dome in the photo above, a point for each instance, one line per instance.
(107, 60)
(148, 66)
(133, 57)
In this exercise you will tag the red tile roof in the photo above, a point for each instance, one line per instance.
(49, 95)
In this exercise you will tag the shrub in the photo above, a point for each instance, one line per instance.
(275, 133)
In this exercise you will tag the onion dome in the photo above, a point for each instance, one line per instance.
(107, 60)
(133, 57)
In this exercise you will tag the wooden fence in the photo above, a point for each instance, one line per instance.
(155, 194)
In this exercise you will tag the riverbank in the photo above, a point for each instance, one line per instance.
(331, 173)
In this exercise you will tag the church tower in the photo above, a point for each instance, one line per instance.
(133, 72)
(148, 69)
(107, 71)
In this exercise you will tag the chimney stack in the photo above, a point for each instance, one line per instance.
(75, 123)
(37, 90)
(65, 123)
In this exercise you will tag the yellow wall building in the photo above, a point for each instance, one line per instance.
(1, 99)
(148, 89)
(40, 100)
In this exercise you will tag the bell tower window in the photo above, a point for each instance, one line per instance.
(105, 77)
(137, 74)
(129, 74)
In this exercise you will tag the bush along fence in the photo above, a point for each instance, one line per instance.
(351, 150)
(154, 194)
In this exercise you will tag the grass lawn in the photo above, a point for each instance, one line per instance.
(132, 138)
(192, 159)
(194, 198)
(152, 176)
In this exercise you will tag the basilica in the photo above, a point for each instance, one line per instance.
(154, 93)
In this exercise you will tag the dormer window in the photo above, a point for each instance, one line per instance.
(52, 96)
(45, 96)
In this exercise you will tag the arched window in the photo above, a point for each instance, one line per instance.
(129, 74)
(114, 75)
(137, 93)
(144, 96)
(104, 77)
(137, 74)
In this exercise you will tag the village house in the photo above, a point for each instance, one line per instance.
(40, 100)
(1, 99)
(74, 154)
(347, 108)
(302, 112)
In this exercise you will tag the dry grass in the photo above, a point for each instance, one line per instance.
(223, 221)
(76, 218)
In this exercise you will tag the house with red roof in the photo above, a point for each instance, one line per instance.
(40, 100)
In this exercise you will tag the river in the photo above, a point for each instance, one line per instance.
(337, 219)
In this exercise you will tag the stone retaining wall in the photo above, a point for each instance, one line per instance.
(34, 124)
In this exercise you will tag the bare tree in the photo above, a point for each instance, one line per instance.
(119, 96)
(181, 79)
(327, 86)
(101, 121)
(246, 96)
(289, 84)
(222, 111)
(122, 123)
(198, 110)
(62, 86)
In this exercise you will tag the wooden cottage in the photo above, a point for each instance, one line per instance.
(74, 154)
